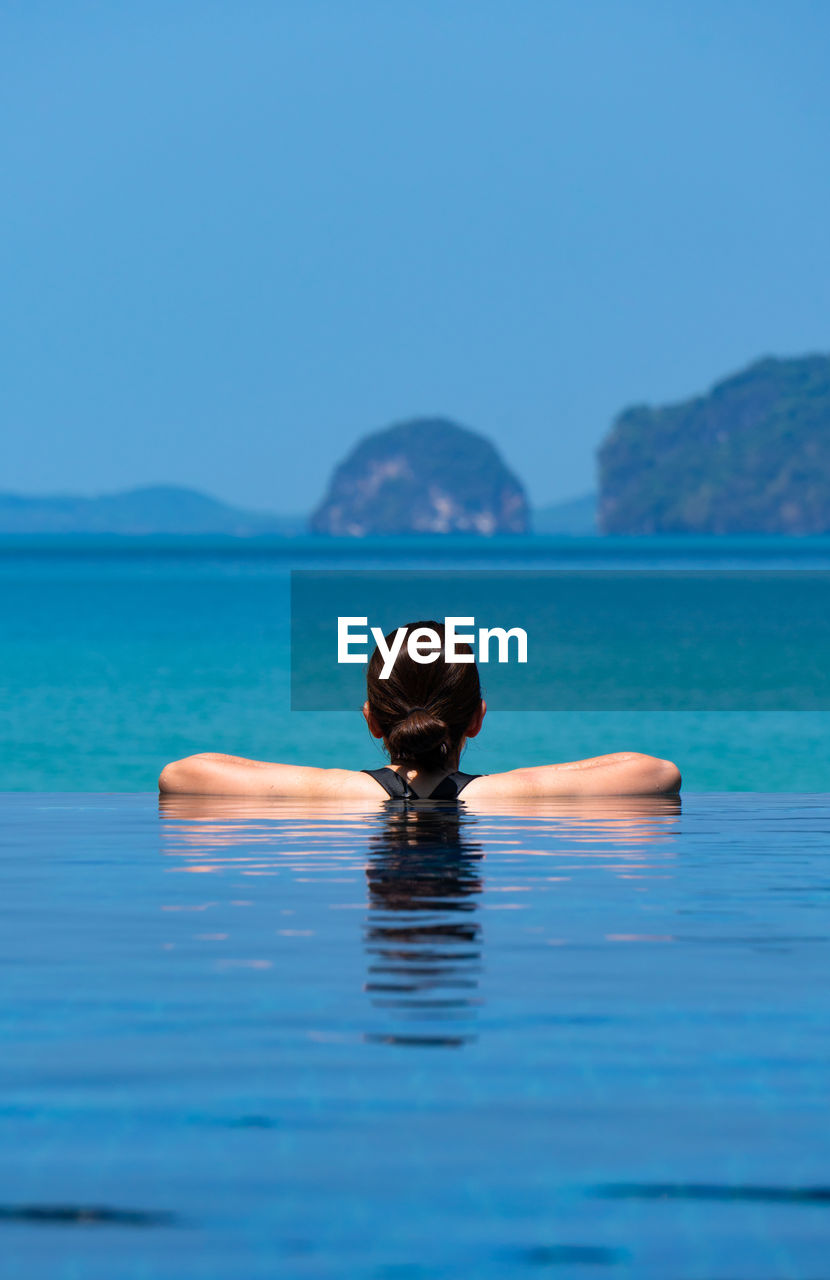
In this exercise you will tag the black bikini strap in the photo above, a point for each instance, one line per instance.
(398, 788)
(393, 784)
(461, 780)
(452, 786)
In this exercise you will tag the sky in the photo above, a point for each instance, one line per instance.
(237, 236)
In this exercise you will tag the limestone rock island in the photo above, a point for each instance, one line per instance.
(751, 456)
(429, 475)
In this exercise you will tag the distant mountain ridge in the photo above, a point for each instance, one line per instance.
(574, 518)
(751, 456)
(428, 475)
(152, 509)
(179, 511)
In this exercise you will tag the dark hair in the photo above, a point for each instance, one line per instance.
(422, 709)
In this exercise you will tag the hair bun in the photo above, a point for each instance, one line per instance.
(420, 738)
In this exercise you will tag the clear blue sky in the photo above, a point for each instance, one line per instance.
(238, 235)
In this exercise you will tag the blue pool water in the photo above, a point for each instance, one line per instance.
(245, 1040)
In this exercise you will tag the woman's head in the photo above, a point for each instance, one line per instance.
(424, 710)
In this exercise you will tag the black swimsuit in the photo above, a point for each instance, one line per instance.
(396, 786)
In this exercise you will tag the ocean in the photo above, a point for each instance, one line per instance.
(117, 655)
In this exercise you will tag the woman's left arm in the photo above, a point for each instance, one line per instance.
(220, 775)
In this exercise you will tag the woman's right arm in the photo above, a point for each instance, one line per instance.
(626, 773)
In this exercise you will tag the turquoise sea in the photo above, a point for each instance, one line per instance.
(118, 655)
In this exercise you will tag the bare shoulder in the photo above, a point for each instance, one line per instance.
(212, 773)
(621, 773)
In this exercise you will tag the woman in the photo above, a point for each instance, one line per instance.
(424, 713)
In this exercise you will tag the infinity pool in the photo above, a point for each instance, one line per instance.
(246, 1040)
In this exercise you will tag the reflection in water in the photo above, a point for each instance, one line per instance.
(422, 864)
(422, 935)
